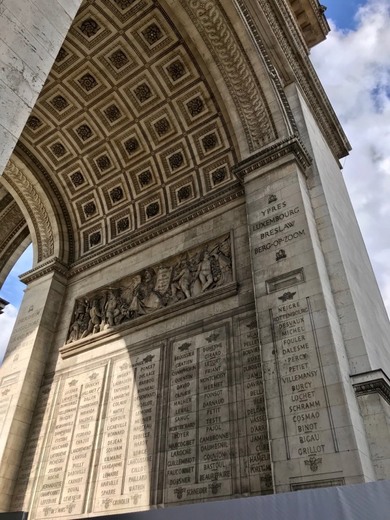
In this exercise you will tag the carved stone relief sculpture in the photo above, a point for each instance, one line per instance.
(179, 278)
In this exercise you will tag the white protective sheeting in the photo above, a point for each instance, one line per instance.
(360, 502)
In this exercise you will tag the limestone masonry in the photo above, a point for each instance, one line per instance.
(201, 321)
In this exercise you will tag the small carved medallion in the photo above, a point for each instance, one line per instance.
(218, 175)
(77, 179)
(313, 463)
(59, 103)
(112, 113)
(34, 122)
(280, 255)
(62, 54)
(209, 142)
(153, 209)
(122, 225)
(176, 70)
(143, 92)
(184, 193)
(88, 82)
(119, 59)
(116, 194)
(145, 178)
(162, 126)
(131, 145)
(89, 27)
(195, 106)
(152, 34)
(103, 162)
(95, 239)
(84, 132)
(58, 149)
(176, 160)
(287, 296)
(89, 209)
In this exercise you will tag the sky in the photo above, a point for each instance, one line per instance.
(354, 67)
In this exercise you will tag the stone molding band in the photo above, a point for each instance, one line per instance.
(373, 382)
(52, 265)
(290, 146)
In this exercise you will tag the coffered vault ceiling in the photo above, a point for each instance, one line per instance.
(127, 128)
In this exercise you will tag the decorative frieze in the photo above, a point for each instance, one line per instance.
(180, 278)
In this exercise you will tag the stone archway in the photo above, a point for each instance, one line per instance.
(133, 130)
(173, 173)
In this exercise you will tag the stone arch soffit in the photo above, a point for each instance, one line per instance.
(142, 119)
(241, 82)
(36, 208)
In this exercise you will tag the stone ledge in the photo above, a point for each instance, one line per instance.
(372, 382)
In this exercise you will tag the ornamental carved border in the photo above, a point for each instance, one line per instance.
(213, 25)
(302, 68)
(35, 207)
(26, 155)
(173, 283)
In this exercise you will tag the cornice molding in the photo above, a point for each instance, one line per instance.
(296, 53)
(52, 265)
(373, 382)
(292, 146)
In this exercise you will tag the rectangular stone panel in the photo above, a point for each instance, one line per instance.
(170, 422)
(124, 476)
(71, 448)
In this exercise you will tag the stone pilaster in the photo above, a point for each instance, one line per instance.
(23, 367)
(314, 422)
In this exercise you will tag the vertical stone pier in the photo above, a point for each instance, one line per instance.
(23, 368)
(312, 411)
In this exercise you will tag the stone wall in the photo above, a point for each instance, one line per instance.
(32, 32)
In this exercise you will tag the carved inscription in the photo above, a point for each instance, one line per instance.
(256, 464)
(33, 451)
(200, 450)
(303, 395)
(99, 436)
(279, 225)
(125, 477)
(69, 458)
(25, 329)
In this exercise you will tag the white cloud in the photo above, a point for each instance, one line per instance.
(354, 67)
(7, 322)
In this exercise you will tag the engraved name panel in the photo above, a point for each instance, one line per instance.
(304, 400)
(125, 477)
(200, 446)
(62, 490)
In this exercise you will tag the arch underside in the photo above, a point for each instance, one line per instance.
(131, 134)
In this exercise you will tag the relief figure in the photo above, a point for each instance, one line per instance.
(145, 298)
(182, 281)
(176, 280)
(94, 319)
